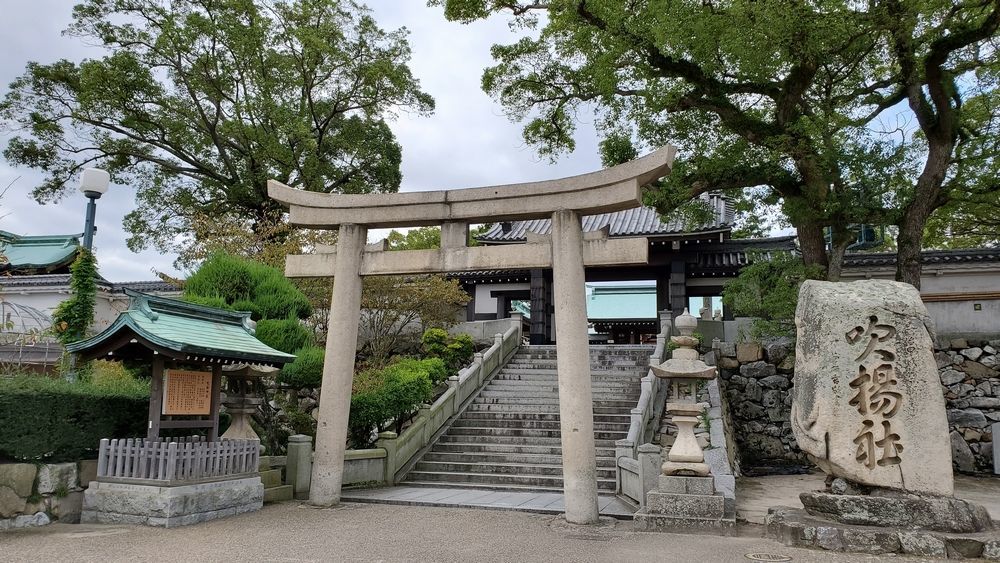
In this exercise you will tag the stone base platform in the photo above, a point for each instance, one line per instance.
(169, 507)
(901, 510)
(686, 505)
(795, 527)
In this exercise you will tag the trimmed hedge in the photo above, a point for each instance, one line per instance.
(52, 420)
(306, 370)
(388, 398)
(245, 285)
(456, 351)
(287, 335)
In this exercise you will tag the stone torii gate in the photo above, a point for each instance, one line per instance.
(567, 251)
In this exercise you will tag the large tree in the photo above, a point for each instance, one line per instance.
(199, 102)
(799, 97)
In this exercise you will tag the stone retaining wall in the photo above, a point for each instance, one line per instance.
(35, 495)
(756, 382)
(970, 378)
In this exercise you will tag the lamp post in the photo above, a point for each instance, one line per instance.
(93, 183)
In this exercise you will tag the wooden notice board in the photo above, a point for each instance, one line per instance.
(187, 392)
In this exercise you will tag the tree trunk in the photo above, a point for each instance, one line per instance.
(842, 238)
(926, 199)
(813, 245)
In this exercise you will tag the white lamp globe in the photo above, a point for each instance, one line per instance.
(94, 181)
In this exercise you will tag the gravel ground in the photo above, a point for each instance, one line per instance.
(372, 532)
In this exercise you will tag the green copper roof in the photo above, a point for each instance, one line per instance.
(37, 254)
(189, 331)
(621, 302)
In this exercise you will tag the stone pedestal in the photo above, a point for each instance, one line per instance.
(686, 504)
(169, 507)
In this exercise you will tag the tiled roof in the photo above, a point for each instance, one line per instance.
(631, 222)
(30, 254)
(188, 329)
(927, 257)
(44, 280)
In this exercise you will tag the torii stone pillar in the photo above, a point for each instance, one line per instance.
(567, 251)
(576, 405)
(338, 368)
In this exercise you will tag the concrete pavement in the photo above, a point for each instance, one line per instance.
(377, 532)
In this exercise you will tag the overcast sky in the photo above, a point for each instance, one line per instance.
(466, 143)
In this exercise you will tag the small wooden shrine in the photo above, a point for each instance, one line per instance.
(189, 479)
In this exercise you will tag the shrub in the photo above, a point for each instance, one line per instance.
(52, 420)
(287, 335)
(245, 285)
(435, 368)
(207, 301)
(455, 351)
(768, 289)
(73, 317)
(306, 370)
(389, 397)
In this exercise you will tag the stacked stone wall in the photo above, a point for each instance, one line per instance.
(970, 379)
(35, 495)
(756, 382)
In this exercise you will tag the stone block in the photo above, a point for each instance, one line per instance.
(67, 509)
(973, 418)
(972, 353)
(952, 376)
(727, 349)
(686, 485)
(729, 363)
(777, 350)
(923, 544)
(115, 503)
(10, 503)
(706, 507)
(991, 550)
(913, 512)
(943, 359)
(86, 472)
(875, 542)
(961, 455)
(747, 352)
(19, 477)
(959, 343)
(977, 370)
(32, 520)
(776, 382)
(829, 538)
(53, 477)
(758, 370)
(995, 431)
(967, 547)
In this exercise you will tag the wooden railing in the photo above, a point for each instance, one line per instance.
(180, 461)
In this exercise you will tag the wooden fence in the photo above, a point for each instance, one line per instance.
(181, 461)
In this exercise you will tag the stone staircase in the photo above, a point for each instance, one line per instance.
(508, 438)
(275, 489)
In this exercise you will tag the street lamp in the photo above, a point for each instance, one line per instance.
(93, 183)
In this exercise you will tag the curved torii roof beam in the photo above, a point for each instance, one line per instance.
(612, 189)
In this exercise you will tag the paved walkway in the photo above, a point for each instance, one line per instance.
(539, 502)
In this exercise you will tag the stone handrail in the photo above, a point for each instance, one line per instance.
(431, 420)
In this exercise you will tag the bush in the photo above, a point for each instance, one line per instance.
(389, 397)
(768, 290)
(455, 351)
(53, 420)
(245, 285)
(287, 335)
(306, 370)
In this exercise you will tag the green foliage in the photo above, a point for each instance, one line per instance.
(389, 397)
(287, 335)
(244, 285)
(435, 368)
(306, 370)
(52, 420)
(73, 317)
(795, 99)
(455, 351)
(390, 304)
(197, 104)
(768, 290)
(422, 238)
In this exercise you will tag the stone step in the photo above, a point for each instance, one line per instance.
(490, 391)
(624, 404)
(474, 448)
(493, 458)
(271, 478)
(518, 440)
(552, 378)
(529, 386)
(277, 494)
(519, 469)
(526, 481)
(484, 432)
(537, 409)
(483, 486)
(528, 416)
(554, 425)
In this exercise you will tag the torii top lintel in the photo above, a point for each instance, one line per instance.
(612, 189)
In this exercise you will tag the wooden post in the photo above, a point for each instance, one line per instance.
(155, 399)
(216, 392)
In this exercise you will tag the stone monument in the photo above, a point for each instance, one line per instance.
(868, 409)
(685, 499)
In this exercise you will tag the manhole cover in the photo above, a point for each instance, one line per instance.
(770, 557)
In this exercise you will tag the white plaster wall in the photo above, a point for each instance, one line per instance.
(486, 304)
(106, 306)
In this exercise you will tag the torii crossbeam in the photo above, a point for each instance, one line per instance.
(567, 251)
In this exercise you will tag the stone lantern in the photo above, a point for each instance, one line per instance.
(685, 371)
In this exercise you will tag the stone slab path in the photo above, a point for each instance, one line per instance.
(523, 501)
